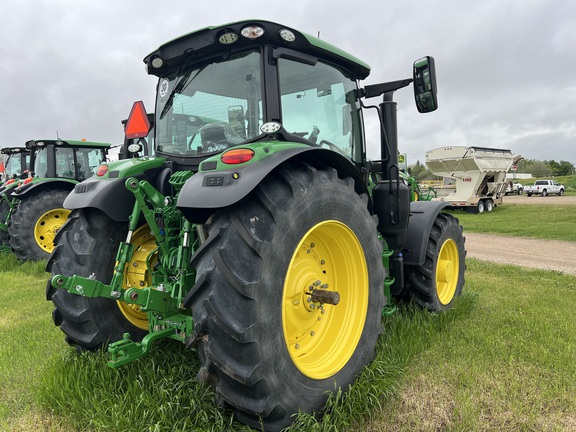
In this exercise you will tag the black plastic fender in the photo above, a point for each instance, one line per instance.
(108, 195)
(23, 190)
(422, 217)
(208, 191)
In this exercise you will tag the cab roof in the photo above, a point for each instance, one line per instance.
(212, 40)
(13, 150)
(67, 143)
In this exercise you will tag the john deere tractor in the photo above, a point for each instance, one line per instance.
(256, 234)
(16, 166)
(32, 210)
(17, 163)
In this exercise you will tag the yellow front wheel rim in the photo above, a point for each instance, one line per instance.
(137, 274)
(47, 226)
(321, 338)
(447, 271)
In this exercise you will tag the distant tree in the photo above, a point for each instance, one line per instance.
(565, 168)
(420, 172)
(553, 165)
(540, 169)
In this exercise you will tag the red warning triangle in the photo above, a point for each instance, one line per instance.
(138, 124)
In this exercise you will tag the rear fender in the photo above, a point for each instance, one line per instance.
(422, 217)
(206, 192)
(40, 186)
(110, 195)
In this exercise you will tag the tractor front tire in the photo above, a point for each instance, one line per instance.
(35, 223)
(438, 282)
(266, 343)
(85, 246)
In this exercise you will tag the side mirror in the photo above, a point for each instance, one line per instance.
(425, 84)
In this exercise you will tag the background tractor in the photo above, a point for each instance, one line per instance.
(16, 164)
(258, 233)
(32, 208)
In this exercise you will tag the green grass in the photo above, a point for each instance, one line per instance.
(27, 342)
(506, 366)
(545, 222)
(502, 359)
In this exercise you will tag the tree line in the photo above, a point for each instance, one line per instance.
(535, 167)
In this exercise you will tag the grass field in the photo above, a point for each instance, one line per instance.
(501, 360)
(554, 223)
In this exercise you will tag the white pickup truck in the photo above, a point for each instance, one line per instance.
(544, 188)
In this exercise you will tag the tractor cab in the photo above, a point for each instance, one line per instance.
(69, 159)
(16, 164)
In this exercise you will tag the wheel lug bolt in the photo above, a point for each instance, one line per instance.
(297, 346)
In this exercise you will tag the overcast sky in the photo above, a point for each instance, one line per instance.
(506, 68)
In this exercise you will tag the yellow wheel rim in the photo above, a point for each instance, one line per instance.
(137, 274)
(47, 226)
(322, 338)
(447, 270)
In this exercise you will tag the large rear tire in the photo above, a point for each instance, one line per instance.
(439, 281)
(87, 245)
(266, 345)
(35, 223)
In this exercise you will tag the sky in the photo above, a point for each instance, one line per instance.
(505, 68)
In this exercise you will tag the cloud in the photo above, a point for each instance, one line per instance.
(505, 69)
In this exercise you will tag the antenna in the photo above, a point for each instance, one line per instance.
(318, 34)
(57, 137)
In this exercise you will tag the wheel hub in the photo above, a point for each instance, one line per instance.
(137, 275)
(47, 226)
(447, 268)
(322, 317)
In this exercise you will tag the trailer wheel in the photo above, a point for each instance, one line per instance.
(489, 205)
(35, 223)
(4, 209)
(266, 342)
(439, 281)
(87, 245)
(480, 207)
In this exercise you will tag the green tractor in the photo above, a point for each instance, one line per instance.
(16, 165)
(255, 234)
(32, 209)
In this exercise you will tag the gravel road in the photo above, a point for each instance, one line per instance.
(533, 253)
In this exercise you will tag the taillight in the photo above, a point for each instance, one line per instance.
(10, 182)
(237, 156)
(102, 170)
